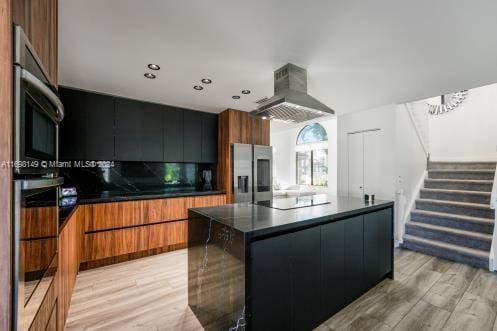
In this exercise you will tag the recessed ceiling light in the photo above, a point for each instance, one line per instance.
(236, 97)
(149, 75)
(198, 88)
(264, 117)
(153, 66)
(246, 92)
(206, 80)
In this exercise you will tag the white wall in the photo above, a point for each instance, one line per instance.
(284, 154)
(382, 118)
(470, 131)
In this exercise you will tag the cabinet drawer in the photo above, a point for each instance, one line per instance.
(104, 244)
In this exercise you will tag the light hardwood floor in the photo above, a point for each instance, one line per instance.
(427, 294)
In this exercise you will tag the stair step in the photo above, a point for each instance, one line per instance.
(454, 207)
(469, 223)
(461, 165)
(469, 174)
(470, 256)
(460, 184)
(456, 195)
(476, 240)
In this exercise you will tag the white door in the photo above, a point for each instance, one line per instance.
(372, 162)
(356, 164)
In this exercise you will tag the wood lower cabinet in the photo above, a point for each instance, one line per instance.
(44, 319)
(117, 229)
(69, 245)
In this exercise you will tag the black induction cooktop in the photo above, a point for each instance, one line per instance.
(296, 202)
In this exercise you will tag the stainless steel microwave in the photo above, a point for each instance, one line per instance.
(38, 112)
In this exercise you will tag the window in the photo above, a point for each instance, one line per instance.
(312, 156)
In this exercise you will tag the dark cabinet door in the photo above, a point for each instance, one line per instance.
(270, 284)
(128, 130)
(138, 131)
(72, 129)
(151, 135)
(192, 136)
(87, 132)
(354, 258)
(209, 138)
(332, 268)
(172, 134)
(305, 271)
(377, 246)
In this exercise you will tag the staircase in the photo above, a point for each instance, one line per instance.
(453, 218)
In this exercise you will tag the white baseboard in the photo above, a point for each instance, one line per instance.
(411, 206)
(464, 159)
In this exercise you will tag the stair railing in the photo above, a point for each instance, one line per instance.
(417, 127)
(493, 204)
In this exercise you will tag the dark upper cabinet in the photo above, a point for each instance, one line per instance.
(192, 136)
(209, 138)
(332, 267)
(377, 245)
(173, 134)
(87, 131)
(102, 127)
(128, 127)
(138, 131)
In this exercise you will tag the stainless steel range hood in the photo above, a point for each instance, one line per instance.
(290, 102)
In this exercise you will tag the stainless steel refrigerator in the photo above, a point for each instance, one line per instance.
(252, 172)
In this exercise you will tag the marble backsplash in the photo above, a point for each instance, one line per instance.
(138, 177)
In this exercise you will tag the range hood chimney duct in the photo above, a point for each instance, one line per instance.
(290, 102)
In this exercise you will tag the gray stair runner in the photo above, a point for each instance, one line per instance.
(453, 218)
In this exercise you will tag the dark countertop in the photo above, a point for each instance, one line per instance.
(130, 196)
(257, 220)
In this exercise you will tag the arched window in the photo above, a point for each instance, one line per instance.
(312, 156)
(312, 133)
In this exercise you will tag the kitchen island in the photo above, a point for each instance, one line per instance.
(285, 264)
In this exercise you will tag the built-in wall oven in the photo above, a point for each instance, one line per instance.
(36, 226)
(37, 112)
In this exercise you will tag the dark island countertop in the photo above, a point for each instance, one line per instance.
(257, 220)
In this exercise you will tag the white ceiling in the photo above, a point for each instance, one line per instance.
(359, 54)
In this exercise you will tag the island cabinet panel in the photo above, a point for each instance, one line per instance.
(332, 267)
(293, 290)
(354, 257)
(377, 242)
(271, 257)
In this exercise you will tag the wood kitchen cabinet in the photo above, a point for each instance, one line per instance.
(39, 20)
(69, 245)
(118, 231)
